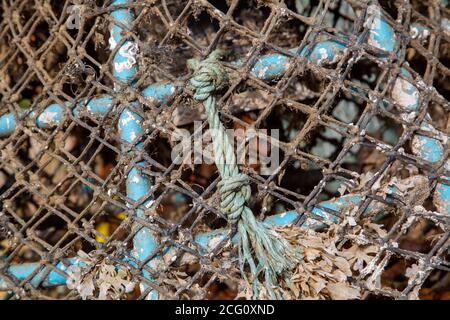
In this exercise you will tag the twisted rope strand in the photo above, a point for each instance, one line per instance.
(274, 255)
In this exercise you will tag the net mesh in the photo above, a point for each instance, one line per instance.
(341, 133)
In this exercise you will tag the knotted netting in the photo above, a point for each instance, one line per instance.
(224, 149)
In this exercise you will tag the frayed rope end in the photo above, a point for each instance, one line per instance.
(275, 255)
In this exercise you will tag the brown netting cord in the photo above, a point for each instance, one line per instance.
(62, 190)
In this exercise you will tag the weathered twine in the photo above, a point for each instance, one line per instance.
(274, 255)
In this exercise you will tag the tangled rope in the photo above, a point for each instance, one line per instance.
(274, 255)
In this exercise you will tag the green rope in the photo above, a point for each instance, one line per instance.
(274, 255)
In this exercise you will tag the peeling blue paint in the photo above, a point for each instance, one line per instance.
(137, 188)
(270, 66)
(442, 197)
(274, 65)
(130, 130)
(339, 205)
(137, 184)
(25, 270)
(427, 148)
(130, 127)
(159, 93)
(7, 124)
(266, 68)
(419, 32)
(98, 106)
(381, 35)
(51, 116)
(325, 52)
(404, 93)
(124, 61)
(86, 188)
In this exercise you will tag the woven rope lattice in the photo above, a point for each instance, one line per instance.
(343, 117)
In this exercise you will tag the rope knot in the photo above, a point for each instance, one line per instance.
(235, 192)
(208, 76)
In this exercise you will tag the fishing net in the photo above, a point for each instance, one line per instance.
(344, 104)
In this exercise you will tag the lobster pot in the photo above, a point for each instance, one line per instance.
(336, 120)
